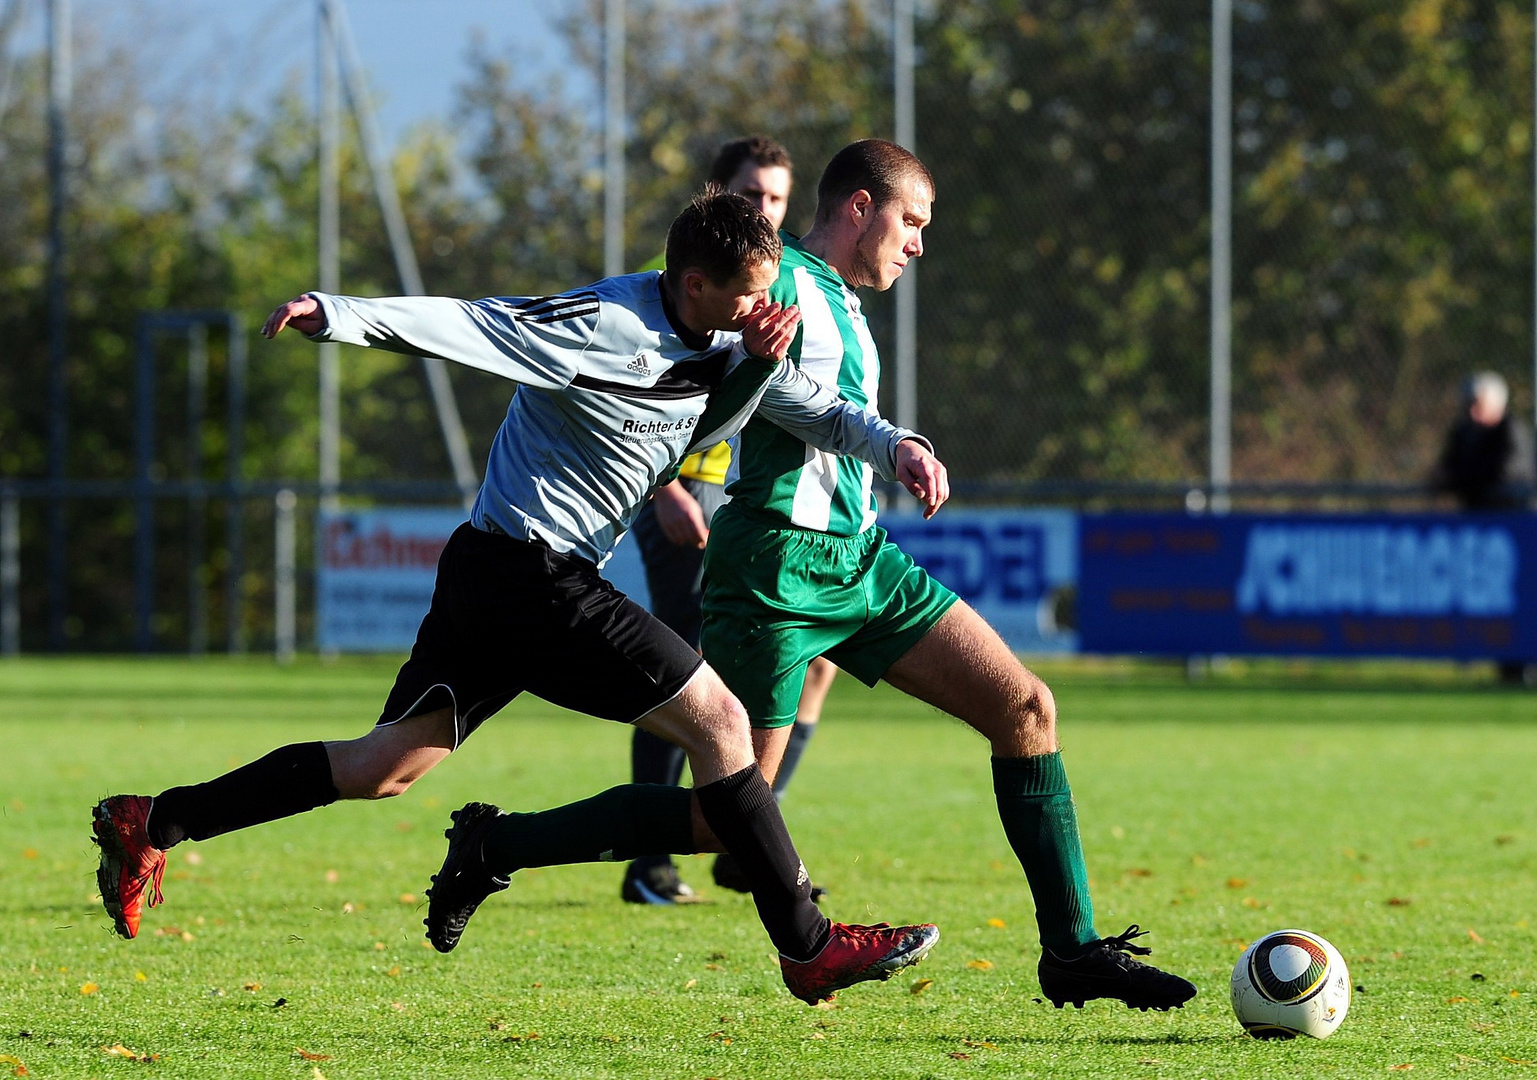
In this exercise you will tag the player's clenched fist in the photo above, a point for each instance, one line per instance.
(770, 329)
(923, 474)
(304, 313)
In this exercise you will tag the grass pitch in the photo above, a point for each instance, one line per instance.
(1389, 810)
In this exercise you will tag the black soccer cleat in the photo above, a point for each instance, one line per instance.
(464, 882)
(655, 881)
(1106, 971)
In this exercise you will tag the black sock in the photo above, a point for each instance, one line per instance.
(288, 781)
(800, 735)
(654, 760)
(741, 810)
(612, 826)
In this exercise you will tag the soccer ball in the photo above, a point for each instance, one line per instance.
(1291, 983)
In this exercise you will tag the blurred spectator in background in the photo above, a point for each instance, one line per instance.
(1488, 464)
(1488, 461)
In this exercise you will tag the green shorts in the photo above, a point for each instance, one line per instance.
(776, 598)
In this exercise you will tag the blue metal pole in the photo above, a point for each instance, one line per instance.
(58, 299)
(235, 447)
(144, 503)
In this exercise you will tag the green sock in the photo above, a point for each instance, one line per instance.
(1036, 807)
(617, 825)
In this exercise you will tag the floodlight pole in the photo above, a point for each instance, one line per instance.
(1221, 253)
(329, 244)
(59, 85)
(613, 138)
(903, 62)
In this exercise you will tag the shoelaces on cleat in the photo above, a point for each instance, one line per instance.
(156, 874)
(1122, 941)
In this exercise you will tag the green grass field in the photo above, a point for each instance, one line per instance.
(1389, 809)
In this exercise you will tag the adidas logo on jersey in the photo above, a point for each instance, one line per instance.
(639, 365)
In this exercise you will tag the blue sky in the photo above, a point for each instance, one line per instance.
(245, 50)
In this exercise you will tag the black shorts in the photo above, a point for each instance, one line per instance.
(512, 615)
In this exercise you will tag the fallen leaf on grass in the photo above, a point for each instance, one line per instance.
(139, 976)
(1399, 901)
(316, 1074)
(252, 987)
(1482, 1027)
(29, 853)
(958, 1056)
(407, 898)
(394, 971)
(997, 924)
(980, 965)
(920, 986)
(1517, 1061)
(1475, 937)
(979, 1045)
(1237, 882)
(119, 1050)
(720, 1037)
(1458, 1000)
(307, 1056)
(1405, 1067)
(529, 1036)
(17, 1068)
(1250, 902)
(89, 988)
(691, 984)
(1138, 871)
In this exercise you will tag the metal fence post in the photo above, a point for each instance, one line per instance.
(284, 574)
(10, 575)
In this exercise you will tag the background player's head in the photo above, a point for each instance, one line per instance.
(758, 169)
(722, 256)
(1487, 394)
(873, 202)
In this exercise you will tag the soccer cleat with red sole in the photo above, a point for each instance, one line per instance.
(855, 954)
(130, 864)
(463, 883)
(1106, 971)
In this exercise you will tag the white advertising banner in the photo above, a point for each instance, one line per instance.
(375, 574)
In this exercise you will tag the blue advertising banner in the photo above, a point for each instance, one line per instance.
(1379, 585)
(374, 577)
(1015, 567)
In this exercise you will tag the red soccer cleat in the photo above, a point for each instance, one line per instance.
(129, 862)
(855, 954)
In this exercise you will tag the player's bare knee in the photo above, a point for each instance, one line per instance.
(1034, 708)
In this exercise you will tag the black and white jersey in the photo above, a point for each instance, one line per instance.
(611, 392)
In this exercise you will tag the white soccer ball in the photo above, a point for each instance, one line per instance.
(1291, 983)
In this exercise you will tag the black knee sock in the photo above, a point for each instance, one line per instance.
(800, 735)
(612, 826)
(654, 760)
(288, 781)
(743, 814)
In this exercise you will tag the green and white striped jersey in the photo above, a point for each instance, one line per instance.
(771, 470)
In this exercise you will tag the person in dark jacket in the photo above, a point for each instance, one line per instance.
(1488, 464)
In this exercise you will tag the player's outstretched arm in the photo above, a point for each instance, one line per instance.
(537, 346)
(923, 474)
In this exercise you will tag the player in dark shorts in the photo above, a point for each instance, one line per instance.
(616, 383)
(671, 532)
